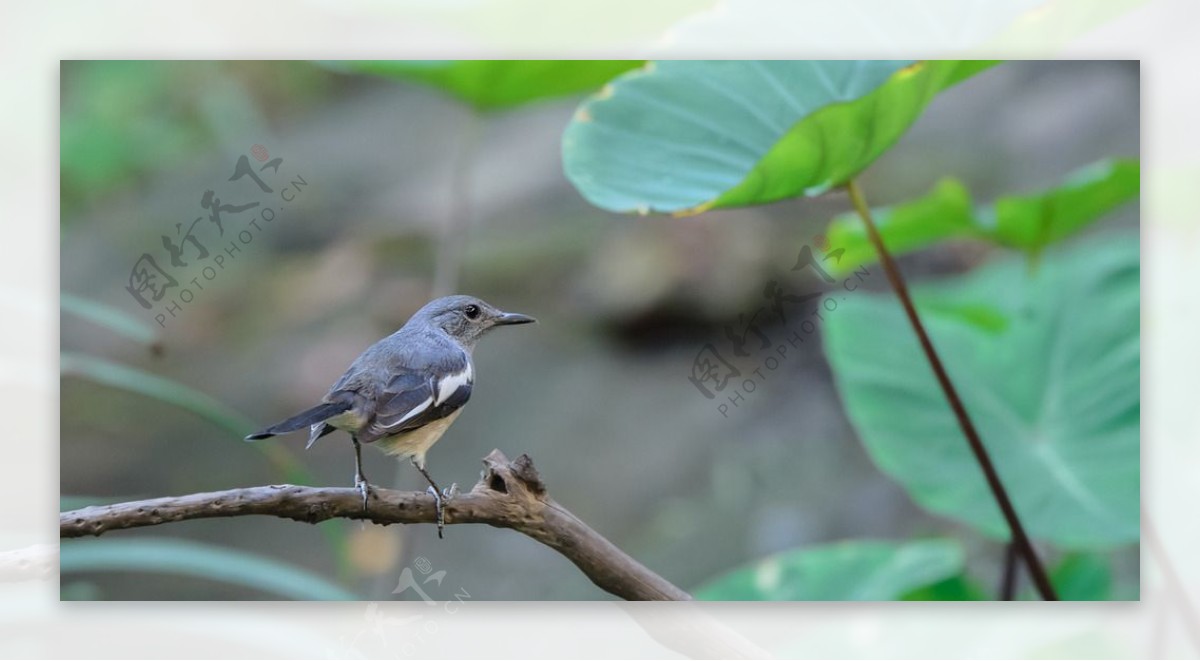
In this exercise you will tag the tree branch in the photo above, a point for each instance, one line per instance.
(509, 494)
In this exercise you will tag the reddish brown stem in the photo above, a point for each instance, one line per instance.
(1017, 530)
(1008, 580)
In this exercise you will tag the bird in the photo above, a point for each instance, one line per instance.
(404, 391)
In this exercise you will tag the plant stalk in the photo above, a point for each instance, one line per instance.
(1017, 530)
(1008, 580)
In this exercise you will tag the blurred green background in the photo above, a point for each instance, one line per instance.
(405, 186)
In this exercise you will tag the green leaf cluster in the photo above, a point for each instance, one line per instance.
(851, 571)
(1027, 222)
(1046, 359)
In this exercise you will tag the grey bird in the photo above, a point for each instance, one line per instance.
(406, 389)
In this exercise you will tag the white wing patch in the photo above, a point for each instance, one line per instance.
(448, 385)
(443, 391)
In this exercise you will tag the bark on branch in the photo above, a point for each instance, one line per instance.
(509, 494)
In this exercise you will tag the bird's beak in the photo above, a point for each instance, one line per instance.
(512, 318)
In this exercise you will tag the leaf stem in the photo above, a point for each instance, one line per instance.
(1017, 530)
(1008, 580)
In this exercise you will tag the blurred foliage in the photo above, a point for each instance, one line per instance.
(106, 140)
(1047, 362)
(104, 372)
(849, 571)
(1054, 392)
(124, 120)
(188, 558)
(1025, 222)
(674, 136)
(79, 591)
(687, 136)
(960, 587)
(115, 375)
(1083, 577)
(114, 319)
(497, 84)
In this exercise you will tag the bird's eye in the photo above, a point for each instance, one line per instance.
(472, 311)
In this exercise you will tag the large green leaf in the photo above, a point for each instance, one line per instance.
(1083, 577)
(959, 587)
(188, 558)
(1047, 364)
(1027, 222)
(498, 84)
(686, 136)
(849, 571)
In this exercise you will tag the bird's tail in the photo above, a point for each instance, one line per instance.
(304, 420)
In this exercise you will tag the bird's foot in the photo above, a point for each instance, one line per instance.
(450, 492)
(438, 500)
(364, 488)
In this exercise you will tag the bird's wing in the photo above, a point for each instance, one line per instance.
(414, 398)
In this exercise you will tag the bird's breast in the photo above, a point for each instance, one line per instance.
(417, 442)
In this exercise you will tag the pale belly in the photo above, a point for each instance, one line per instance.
(417, 442)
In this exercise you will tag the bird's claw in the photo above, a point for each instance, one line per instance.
(438, 500)
(364, 488)
(450, 492)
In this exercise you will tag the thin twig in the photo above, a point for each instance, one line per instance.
(1024, 546)
(510, 494)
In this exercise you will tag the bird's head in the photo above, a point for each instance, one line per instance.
(466, 318)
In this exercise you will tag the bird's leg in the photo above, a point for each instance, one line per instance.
(360, 480)
(438, 496)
